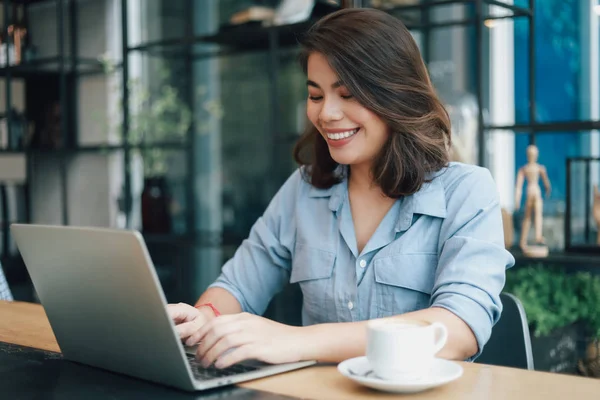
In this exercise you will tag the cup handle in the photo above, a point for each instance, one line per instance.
(441, 336)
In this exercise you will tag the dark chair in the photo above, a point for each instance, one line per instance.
(510, 344)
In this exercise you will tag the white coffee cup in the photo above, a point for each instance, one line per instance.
(403, 349)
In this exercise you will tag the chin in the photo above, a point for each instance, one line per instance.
(342, 158)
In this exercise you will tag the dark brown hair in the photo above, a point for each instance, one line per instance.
(377, 60)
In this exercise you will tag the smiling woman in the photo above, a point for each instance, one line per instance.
(385, 90)
(353, 133)
(375, 223)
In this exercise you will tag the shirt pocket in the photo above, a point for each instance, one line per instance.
(404, 282)
(312, 269)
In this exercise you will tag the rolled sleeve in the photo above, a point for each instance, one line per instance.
(261, 265)
(473, 261)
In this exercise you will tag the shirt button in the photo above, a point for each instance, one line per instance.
(362, 263)
(350, 305)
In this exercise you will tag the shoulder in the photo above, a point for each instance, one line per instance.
(291, 187)
(297, 186)
(465, 184)
(456, 173)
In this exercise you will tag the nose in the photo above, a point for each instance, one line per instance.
(330, 111)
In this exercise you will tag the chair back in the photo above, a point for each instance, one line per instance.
(510, 343)
(5, 293)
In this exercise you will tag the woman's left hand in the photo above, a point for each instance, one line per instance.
(229, 339)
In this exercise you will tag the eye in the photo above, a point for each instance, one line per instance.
(315, 98)
(346, 96)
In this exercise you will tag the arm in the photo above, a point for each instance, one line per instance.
(261, 265)
(472, 260)
(544, 176)
(222, 299)
(259, 269)
(338, 342)
(519, 188)
(252, 337)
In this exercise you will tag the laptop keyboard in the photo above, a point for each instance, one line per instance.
(211, 372)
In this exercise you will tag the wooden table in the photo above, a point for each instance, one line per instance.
(26, 324)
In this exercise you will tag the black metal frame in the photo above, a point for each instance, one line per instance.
(569, 247)
(64, 66)
(276, 37)
(271, 39)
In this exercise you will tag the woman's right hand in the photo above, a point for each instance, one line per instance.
(188, 319)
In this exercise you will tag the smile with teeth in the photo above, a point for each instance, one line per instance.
(342, 135)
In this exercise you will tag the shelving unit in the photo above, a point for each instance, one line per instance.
(190, 48)
(275, 40)
(49, 76)
(564, 259)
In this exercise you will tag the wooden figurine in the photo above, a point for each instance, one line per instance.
(534, 203)
(596, 212)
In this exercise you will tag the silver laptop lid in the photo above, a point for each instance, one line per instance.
(104, 301)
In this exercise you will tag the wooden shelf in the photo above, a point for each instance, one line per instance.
(256, 37)
(29, 2)
(52, 66)
(252, 36)
(100, 148)
(559, 258)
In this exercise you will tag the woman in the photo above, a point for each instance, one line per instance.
(375, 223)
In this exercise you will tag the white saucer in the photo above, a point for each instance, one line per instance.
(359, 370)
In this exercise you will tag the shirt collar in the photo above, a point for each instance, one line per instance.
(336, 194)
(429, 200)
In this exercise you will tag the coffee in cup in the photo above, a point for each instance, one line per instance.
(403, 349)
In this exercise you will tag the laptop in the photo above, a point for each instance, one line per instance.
(107, 309)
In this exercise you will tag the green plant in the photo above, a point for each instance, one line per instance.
(589, 292)
(156, 113)
(553, 299)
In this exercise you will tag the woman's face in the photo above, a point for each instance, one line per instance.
(354, 134)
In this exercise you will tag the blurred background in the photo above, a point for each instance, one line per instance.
(177, 118)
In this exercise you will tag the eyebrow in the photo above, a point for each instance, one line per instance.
(333, 86)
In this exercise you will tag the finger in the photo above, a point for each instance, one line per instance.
(239, 354)
(186, 329)
(226, 343)
(215, 322)
(215, 335)
(181, 312)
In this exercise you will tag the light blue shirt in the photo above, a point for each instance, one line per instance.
(442, 246)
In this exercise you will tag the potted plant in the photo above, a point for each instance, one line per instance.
(562, 311)
(157, 114)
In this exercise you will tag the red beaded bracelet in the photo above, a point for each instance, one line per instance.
(212, 307)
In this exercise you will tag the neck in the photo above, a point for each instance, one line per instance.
(361, 178)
